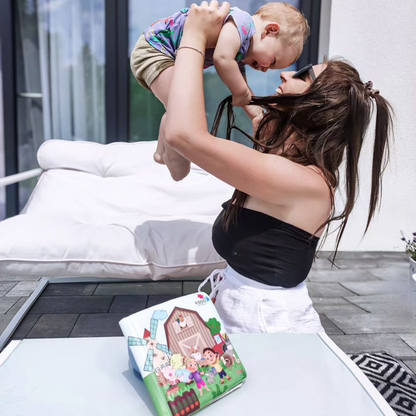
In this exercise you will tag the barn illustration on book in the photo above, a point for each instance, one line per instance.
(192, 362)
(187, 333)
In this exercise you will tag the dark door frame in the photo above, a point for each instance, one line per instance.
(117, 70)
(8, 65)
(312, 11)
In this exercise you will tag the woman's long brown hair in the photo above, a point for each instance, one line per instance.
(329, 123)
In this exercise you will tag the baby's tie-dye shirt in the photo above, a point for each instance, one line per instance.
(165, 35)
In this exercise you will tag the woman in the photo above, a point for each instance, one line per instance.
(268, 232)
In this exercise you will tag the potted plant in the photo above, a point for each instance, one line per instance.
(411, 252)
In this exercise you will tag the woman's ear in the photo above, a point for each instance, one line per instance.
(272, 29)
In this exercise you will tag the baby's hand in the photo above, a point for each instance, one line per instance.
(242, 100)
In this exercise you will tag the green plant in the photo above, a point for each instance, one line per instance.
(219, 391)
(410, 245)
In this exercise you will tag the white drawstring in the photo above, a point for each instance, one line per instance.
(216, 278)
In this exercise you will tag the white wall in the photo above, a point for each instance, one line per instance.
(2, 161)
(379, 38)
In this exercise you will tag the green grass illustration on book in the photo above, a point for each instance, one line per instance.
(197, 365)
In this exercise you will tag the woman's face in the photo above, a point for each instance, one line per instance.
(291, 85)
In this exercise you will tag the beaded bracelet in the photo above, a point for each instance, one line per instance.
(190, 47)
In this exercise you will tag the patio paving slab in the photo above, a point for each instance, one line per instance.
(403, 309)
(70, 289)
(411, 364)
(342, 309)
(329, 301)
(128, 304)
(25, 326)
(4, 321)
(6, 287)
(382, 298)
(375, 288)
(322, 263)
(334, 290)
(15, 308)
(345, 275)
(352, 255)
(192, 287)
(397, 304)
(410, 339)
(6, 303)
(155, 300)
(145, 288)
(372, 324)
(383, 263)
(330, 327)
(53, 326)
(392, 344)
(391, 273)
(8, 278)
(357, 263)
(72, 304)
(98, 325)
(23, 289)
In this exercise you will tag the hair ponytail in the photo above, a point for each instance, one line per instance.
(381, 151)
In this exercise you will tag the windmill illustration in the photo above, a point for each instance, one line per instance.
(149, 340)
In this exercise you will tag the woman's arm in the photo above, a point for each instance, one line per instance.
(265, 176)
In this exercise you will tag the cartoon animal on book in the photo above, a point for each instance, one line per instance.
(157, 354)
(170, 375)
(194, 352)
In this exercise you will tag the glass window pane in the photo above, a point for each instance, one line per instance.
(60, 54)
(72, 62)
(28, 77)
(146, 110)
(29, 132)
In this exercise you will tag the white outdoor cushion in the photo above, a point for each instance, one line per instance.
(111, 211)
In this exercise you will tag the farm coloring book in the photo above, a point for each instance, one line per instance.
(184, 356)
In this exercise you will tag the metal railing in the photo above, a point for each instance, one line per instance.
(19, 177)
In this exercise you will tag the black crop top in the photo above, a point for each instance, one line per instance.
(264, 248)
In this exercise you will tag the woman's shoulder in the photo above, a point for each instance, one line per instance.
(320, 173)
(315, 169)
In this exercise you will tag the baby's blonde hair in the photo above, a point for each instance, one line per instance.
(294, 28)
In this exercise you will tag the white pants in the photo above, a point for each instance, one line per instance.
(247, 306)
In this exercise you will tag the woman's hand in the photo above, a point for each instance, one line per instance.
(256, 122)
(205, 22)
(255, 113)
(242, 99)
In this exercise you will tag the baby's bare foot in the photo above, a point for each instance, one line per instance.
(158, 158)
(178, 166)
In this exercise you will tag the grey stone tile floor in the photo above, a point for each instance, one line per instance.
(366, 302)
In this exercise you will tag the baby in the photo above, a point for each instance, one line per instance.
(272, 38)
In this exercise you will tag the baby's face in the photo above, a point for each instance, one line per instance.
(271, 53)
